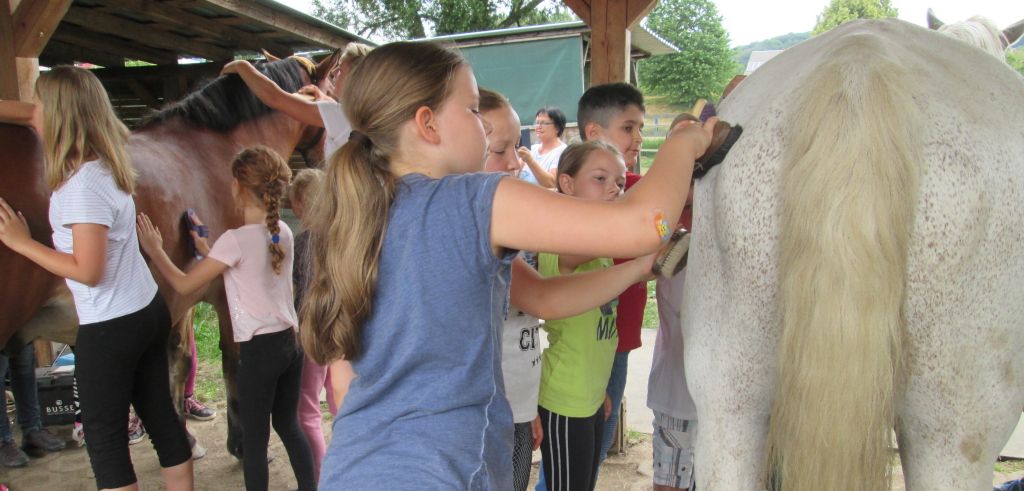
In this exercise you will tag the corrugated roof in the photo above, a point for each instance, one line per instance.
(642, 37)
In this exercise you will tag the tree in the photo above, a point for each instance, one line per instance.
(704, 65)
(840, 11)
(1016, 59)
(413, 19)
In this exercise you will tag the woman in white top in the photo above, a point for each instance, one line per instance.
(323, 111)
(124, 322)
(542, 158)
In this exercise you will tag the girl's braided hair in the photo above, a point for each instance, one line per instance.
(265, 174)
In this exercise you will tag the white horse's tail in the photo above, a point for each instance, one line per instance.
(849, 189)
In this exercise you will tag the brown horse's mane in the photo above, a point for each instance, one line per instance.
(224, 102)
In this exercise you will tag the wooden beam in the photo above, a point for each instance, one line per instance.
(160, 12)
(34, 23)
(581, 8)
(158, 73)
(280, 20)
(17, 74)
(75, 35)
(637, 10)
(58, 52)
(109, 24)
(610, 42)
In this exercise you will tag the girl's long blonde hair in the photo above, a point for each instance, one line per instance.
(348, 218)
(78, 122)
(265, 174)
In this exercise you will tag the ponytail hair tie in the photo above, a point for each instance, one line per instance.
(275, 238)
(360, 137)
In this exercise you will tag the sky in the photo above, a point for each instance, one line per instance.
(755, 20)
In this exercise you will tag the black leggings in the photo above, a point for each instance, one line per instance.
(122, 362)
(571, 450)
(269, 381)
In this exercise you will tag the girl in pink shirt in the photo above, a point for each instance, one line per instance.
(256, 262)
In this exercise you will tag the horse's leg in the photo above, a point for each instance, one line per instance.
(965, 328)
(729, 331)
(229, 357)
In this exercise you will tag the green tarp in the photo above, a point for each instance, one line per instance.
(532, 74)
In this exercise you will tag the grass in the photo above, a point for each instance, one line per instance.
(651, 311)
(633, 437)
(653, 142)
(209, 387)
(645, 163)
(1010, 466)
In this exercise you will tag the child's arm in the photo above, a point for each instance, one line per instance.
(341, 376)
(564, 296)
(294, 105)
(632, 226)
(152, 243)
(544, 178)
(17, 112)
(85, 264)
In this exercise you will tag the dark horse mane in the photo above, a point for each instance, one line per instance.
(224, 102)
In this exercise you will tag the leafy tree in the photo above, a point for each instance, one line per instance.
(412, 19)
(704, 65)
(840, 11)
(1016, 59)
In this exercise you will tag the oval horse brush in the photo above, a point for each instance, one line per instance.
(724, 137)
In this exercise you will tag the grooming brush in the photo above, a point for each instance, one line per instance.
(672, 257)
(724, 137)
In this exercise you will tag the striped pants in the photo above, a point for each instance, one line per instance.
(571, 450)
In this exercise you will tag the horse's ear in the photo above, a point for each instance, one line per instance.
(1013, 33)
(933, 22)
(269, 56)
(326, 64)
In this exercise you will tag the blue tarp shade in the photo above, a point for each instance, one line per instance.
(532, 74)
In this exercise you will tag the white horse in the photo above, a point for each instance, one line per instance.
(858, 266)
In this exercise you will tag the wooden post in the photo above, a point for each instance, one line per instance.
(610, 22)
(25, 27)
(44, 353)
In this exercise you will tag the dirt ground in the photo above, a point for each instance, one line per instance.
(69, 469)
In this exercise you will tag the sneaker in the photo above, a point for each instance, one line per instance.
(197, 410)
(42, 439)
(135, 430)
(11, 455)
(78, 435)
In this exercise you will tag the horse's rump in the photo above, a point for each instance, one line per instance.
(872, 194)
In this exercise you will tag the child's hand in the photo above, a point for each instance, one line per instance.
(700, 133)
(646, 263)
(538, 432)
(607, 406)
(314, 91)
(149, 235)
(235, 67)
(202, 246)
(13, 227)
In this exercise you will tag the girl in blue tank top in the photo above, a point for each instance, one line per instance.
(412, 258)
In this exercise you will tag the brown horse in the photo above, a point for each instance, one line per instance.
(182, 155)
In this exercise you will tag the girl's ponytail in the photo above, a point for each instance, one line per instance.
(265, 174)
(348, 220)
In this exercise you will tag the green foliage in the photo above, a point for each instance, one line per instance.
(742, 53)
(651, 320)
(840, 11)
(653, 142)
(414, 19)
(207, 332)
(704, 65)
(1016, 59)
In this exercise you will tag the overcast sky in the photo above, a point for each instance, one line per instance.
(754, 20)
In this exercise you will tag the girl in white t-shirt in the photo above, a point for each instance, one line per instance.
(121, 346)
(323, 111)
(256, 262)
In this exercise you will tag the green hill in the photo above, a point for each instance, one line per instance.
(742, 53)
